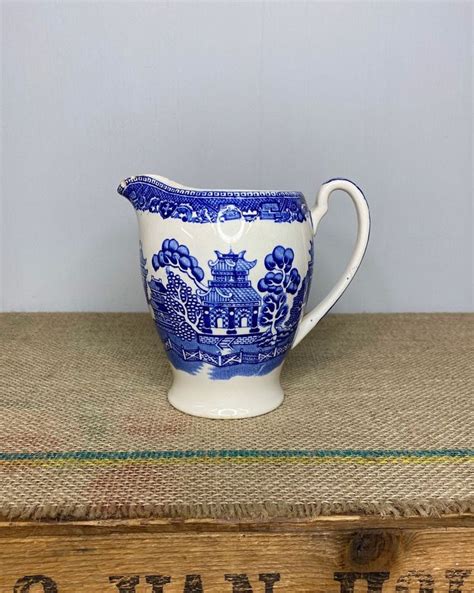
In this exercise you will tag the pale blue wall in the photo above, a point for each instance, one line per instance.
(260, 95)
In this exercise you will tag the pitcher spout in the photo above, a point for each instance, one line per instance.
(150, 179)
(140, 189)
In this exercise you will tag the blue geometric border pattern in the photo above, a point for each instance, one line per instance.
(201, 206)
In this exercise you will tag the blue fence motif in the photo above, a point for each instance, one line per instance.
(221, 360)
(220, 319)
(151, 195)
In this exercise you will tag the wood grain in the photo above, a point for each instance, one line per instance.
(342, 555)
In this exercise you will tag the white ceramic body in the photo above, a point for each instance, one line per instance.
(249, 284)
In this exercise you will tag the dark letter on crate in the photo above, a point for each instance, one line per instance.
(24, 585)
(456, 578)
(269, 578)
(375, 580)
(158, 581)
(240, 583)
(193, 584)
(125, 584)
(424, 578)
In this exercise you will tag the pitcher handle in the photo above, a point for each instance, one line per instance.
(363, 230)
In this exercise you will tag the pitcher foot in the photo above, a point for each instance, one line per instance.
(239, 397)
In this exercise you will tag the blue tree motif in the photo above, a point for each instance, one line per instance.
(274, 311)
(281, 277)
(177, 256)
(183, 307)
(280, 280)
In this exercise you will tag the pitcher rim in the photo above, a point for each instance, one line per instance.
(175, 187)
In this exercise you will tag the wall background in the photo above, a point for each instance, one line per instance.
(259, 95)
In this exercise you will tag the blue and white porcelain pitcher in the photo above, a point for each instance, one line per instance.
(226, 275)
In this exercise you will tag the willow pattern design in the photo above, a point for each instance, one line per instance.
(220, 319)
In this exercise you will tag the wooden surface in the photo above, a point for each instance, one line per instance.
(326, 555)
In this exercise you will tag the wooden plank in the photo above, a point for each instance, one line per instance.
(338, 556)
(174, 525)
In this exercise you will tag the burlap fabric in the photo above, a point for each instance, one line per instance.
(377, 419)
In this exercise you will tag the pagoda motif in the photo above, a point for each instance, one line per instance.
(231, 305)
